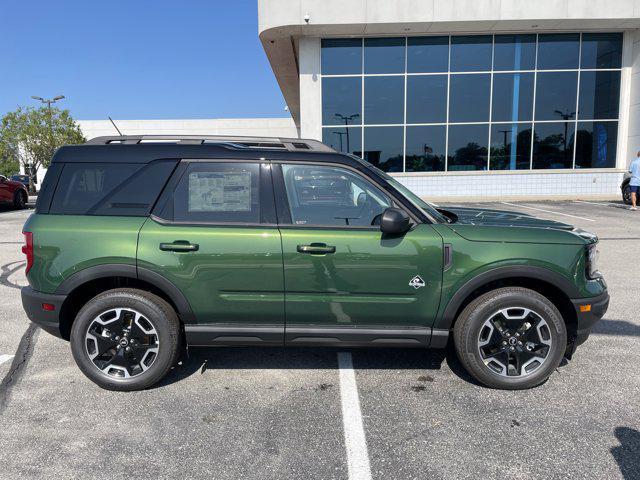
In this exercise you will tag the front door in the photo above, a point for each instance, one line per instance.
(215, 239)
(340, 270)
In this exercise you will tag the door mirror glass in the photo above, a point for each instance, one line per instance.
(394, 221)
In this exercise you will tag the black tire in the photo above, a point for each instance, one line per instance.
(154, 312)
(626, 194)
(476, 325)
(20, 200)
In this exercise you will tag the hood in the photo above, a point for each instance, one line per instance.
(485, 225)
(503, 218)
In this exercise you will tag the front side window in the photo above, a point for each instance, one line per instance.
(332, 196)
(217, 193)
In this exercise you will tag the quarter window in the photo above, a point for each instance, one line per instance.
(332, 196)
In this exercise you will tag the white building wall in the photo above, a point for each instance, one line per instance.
(507, 185)
(633, 142)
(260, 127)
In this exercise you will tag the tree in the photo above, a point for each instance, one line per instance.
(29, 137)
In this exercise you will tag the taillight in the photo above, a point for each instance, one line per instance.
(27, 249)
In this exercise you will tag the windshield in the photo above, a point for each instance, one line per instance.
(415, 199)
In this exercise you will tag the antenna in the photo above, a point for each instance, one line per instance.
(115, 126)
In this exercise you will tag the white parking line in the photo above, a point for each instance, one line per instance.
(354, 437)
(602, 204)
(548, 211)
(5, 358)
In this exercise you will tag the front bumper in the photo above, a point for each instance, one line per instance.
(48, 320)
(594, 309)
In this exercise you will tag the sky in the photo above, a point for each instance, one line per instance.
(137, 59)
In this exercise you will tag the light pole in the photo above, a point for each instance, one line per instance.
(347, 119)
(566, 116)
(48, 102)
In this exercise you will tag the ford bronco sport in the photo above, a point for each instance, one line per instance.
(140, 245)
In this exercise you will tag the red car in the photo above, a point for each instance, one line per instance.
(13, 193)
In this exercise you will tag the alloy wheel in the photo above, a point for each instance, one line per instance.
(514, 342)
(122, 343)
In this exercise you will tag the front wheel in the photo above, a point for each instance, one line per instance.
(510, 338)
(125, 339)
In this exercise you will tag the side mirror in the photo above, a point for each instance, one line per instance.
(394, 221)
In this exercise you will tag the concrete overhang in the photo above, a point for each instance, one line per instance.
(282, 23)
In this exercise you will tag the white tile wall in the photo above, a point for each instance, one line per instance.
(529, 185)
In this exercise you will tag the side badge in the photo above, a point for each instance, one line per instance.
(417, 282)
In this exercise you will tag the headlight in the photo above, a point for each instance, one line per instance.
(592, 261)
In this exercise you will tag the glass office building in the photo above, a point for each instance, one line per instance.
(474, 102)
(466, 99)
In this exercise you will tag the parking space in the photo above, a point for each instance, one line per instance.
(323, 413)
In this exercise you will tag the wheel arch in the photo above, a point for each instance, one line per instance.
(87, 283)
(554, 286)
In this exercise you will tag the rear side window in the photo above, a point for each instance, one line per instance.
(217, 192)
(111, 189)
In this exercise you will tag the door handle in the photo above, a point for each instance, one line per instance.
(316, 249)
(179, 246)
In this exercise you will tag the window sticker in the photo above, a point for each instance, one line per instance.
(220, 192)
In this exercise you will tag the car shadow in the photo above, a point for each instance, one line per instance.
(200, 360)
(627, 454)
(616, 327)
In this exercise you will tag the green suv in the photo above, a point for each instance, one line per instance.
(141, 245)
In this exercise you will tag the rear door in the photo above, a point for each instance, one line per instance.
(344, 279)
(214, 236)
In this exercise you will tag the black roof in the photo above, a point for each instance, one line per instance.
(145, 153)
(134, 150)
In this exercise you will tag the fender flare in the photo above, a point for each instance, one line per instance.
(503, 273)
(130, 271)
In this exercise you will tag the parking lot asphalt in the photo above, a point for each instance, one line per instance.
(290, 413)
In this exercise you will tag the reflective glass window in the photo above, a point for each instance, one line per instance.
(383, 147)
(425, 150)
(384, 55)
(510, 146)
(558, 51)
(512, 97)
(427, 54)
(553, 145)
(341, 56)
(596, 144)
(599, 94)
(341, 101)
(469, 98)
(514, 52)
(471, 53)
(344, 140)
(426, 99)
(556, 95)
(601, 50)
(383, 100)
(467, 147)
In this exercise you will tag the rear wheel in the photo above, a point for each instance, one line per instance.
(125, 339)
(20, 200)
(510, 338)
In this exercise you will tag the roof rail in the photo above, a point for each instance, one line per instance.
(277, 143)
